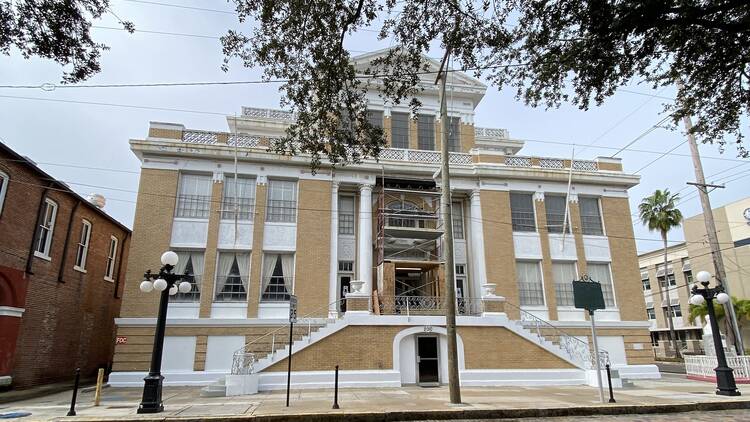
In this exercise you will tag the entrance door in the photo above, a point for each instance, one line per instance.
(428, 367)
(344, 281)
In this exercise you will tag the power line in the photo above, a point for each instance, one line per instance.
(200, 9)
(641, 136)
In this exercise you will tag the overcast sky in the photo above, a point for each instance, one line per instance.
(95, 135)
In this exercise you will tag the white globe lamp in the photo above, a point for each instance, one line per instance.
(160, 284)
(184, 287)
(722, 298)
(703, 276)
(169, 258)
(146, 286)
(173, 290)
(697, 300)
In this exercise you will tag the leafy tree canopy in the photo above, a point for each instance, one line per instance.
(57, 30)
(549, 51)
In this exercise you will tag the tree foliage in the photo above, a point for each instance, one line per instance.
(550, 52)
(741, 310)
(57, 30)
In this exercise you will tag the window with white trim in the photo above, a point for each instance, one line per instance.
(46, 229)
(600, 273)
(238, 198)
(109, 272)
(458, 220)
(650, 313)
(83, 246)
(591, 218)
(232, 275)
(194, 197)
(400, 130)
(346, 215)
(530, 290)
(190, 264)
(522, 212)
(278, 277)
(555, 208)
(4, 179)
(426, 131)
(563, 274)
(282, 201)
(645, 280)
(454, 134)
(375, 118)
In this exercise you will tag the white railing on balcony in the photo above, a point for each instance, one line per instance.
(585, 165)
(423, 156)
(200, 137)
(243, 140)
(703, 366)
(517, 161)
(428, 305)
(489, 132)
(551, 163)
(268, 113)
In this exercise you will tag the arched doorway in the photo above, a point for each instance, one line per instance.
(420, 355)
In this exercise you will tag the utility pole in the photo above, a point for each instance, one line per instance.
(446, 213)
(713, 240)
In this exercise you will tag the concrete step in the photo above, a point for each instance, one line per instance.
(217, 389)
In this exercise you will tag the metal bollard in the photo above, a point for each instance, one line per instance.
(609, 381)
(336, 390)
(72, 411)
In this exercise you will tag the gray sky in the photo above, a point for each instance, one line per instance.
(97, 136)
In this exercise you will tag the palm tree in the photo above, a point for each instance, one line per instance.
(741, 310)
(659, 212)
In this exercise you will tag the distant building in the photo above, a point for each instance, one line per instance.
(687, 259)
(61, 265)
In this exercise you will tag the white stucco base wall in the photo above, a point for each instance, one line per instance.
(175, 378)
(638, 372)
(521, 377)
(268, 381)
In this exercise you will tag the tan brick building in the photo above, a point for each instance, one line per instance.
(361, 248)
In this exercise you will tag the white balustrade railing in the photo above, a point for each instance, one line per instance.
(243, 140)
(488, 132)
(703, 366)
(551, 163)
(268, 113)
(517, 161)
(585, 165)
(423, 156)
(200, 137)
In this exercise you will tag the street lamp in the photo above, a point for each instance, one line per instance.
(166, 283)
(724, 374)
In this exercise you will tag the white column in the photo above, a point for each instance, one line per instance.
(364, 266)
(334, 268)
(479, 274)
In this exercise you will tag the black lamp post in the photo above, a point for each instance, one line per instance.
(166, 283)
(725, 384)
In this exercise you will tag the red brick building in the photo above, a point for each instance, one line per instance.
(61, 264)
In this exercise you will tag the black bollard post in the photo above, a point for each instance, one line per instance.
(609, 380)
(336, 390)
(72, 411)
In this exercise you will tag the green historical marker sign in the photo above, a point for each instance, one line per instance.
(587, 294)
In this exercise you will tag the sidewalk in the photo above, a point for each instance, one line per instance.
(670, 394)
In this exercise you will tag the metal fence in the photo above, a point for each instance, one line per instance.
(427, 305)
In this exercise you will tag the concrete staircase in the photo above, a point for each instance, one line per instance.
(581, 359)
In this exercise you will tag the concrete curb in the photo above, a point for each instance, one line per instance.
(452, 414)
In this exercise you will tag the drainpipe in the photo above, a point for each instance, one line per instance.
(30, 256)
(61, 271)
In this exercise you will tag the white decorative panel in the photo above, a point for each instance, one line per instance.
(608, 315)
(280, 237)
(220, 350)
(229, 310)
(459, 251)
(189, 233)
(527, 245)
(615, 346)
(347, 248)
(273, 310)
(180, 310)
(562, 249)
(179, 353)
(570, 314)
(596, 248)
(227, 235)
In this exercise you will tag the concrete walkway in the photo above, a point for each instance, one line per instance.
(670, 394)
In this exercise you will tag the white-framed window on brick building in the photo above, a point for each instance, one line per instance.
(4, 180)
(375, 118)
(194, 196)
(83, 246)
(563, 274)
(650, 312)
(426, 131)
(278, 277)
(232, 275)
(190, 263)
(674, 307)
(400, 130)
(109, 271)
(670, 276)
(601, 273)
(454, 134)
(530, 288)
(46, 229)
(282, 201)
(346, 215)
(591, 216)
(555, 209)
(522, 212)
(457, 213)
(238, 198)
(645, 280)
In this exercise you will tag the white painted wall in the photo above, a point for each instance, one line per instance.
(596, 248)
(615, 346)
(189, 233)
(408, 366)
(527, 245)
(244, 235)
(229, 310)
(183, 310)
(279, 237)
(220, 350)
(562, 250)
(179, 353)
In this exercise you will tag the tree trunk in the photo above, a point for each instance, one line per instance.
(665, 296)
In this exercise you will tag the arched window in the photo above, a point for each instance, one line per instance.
(4, 179)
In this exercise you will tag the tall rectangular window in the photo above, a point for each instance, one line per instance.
(46, 229)
(109, 271)
(278, 277)
(591, 219)
(238, 198)
(531, 292)
(400, 130)
(555, 206)
(601, 274)
(83, 246)
(282, 201)
(375, 118)
(346, 215)
(650, 313)
(645, 280)
(458, 220)
(670, 275)
(194, 197)
(190, 263)
(522, 212)
(454, 134)
(563, 274)
(232, 275)
(426, 131)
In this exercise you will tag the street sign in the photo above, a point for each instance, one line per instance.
(587, 294)
(293, 308)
